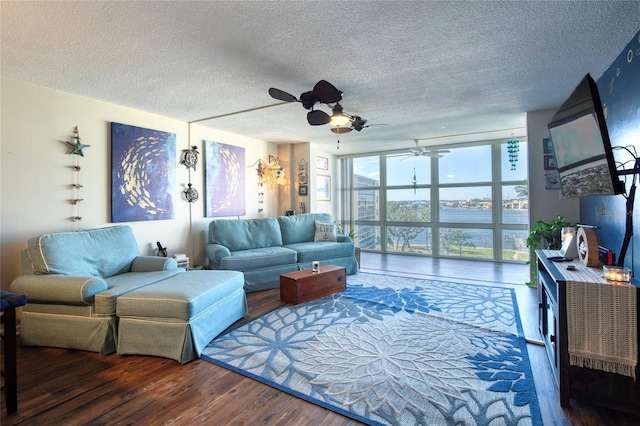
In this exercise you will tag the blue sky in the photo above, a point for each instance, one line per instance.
(461, 165)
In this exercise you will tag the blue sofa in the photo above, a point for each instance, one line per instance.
(91, 290)
(263, 249)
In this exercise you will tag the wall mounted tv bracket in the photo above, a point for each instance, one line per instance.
(635, 171)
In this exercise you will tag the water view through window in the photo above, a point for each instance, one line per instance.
(468, 203)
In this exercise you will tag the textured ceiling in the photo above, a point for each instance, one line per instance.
(429, 70)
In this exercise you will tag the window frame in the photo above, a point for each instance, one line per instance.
(434, 225)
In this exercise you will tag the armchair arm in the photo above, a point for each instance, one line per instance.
(343, 238)
(153, 263)
(215, 253)
(63, 289)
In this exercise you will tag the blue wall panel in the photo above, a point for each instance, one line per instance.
(619, 89)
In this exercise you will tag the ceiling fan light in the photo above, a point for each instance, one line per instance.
(338, 119)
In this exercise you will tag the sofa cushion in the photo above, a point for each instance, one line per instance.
(301, 228)
(181, 297)
(99, 252)
(124, 283)
(246, 260)
(246, 233)
(325, 232)
(310, 251)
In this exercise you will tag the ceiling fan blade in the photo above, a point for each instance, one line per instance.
(341, 130)
(318, 118)
(358, 123)
(434, 154)
(327, 92)
(282, 95)
(370, 125)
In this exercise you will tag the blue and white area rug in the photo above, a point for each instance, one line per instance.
(394, 350)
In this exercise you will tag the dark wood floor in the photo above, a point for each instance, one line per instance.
(68, 387)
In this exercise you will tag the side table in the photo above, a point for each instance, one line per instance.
(303, 286)
(10, 301)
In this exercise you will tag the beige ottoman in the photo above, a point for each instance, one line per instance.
(177, 317)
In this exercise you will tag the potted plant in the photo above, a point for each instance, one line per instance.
(547, 235)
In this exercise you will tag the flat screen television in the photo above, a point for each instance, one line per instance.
(582, 147)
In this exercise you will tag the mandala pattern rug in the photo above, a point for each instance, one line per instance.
(394, 350)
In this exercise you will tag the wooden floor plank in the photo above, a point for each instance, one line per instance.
(58, 386)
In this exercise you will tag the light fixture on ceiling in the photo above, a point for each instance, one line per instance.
(338, 118)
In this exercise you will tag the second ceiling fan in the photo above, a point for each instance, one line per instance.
(424, 152)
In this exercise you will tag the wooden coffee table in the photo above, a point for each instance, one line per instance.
(302, 286)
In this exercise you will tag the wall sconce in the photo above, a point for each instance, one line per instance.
(270, 172)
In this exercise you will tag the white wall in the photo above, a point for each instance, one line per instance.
(331, 206)
(544, 204)
(37, 174)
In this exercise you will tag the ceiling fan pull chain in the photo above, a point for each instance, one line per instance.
(415, 180)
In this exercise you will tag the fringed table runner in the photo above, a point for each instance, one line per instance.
(601, 322)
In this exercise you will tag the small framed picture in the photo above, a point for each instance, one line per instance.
(547, 146)
(303, 190)
(552, 180)
(322, 163)
(324, 188)
(550, 162)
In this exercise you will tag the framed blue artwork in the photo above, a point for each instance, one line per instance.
(143, 173)
(224, 180)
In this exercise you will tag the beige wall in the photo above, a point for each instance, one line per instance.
(37, 174)
(544, 204)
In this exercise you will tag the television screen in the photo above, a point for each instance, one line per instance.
(581, 145)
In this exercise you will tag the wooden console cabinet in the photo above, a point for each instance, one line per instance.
(610, 390)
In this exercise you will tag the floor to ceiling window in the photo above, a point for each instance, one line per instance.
(469, 202)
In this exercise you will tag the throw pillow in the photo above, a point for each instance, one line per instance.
(325, 232)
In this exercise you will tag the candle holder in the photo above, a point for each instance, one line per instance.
(617, 273)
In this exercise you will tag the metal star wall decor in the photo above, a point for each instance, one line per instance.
(77, 147)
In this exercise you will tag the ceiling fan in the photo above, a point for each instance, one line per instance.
(323, 93)
(424, 152)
